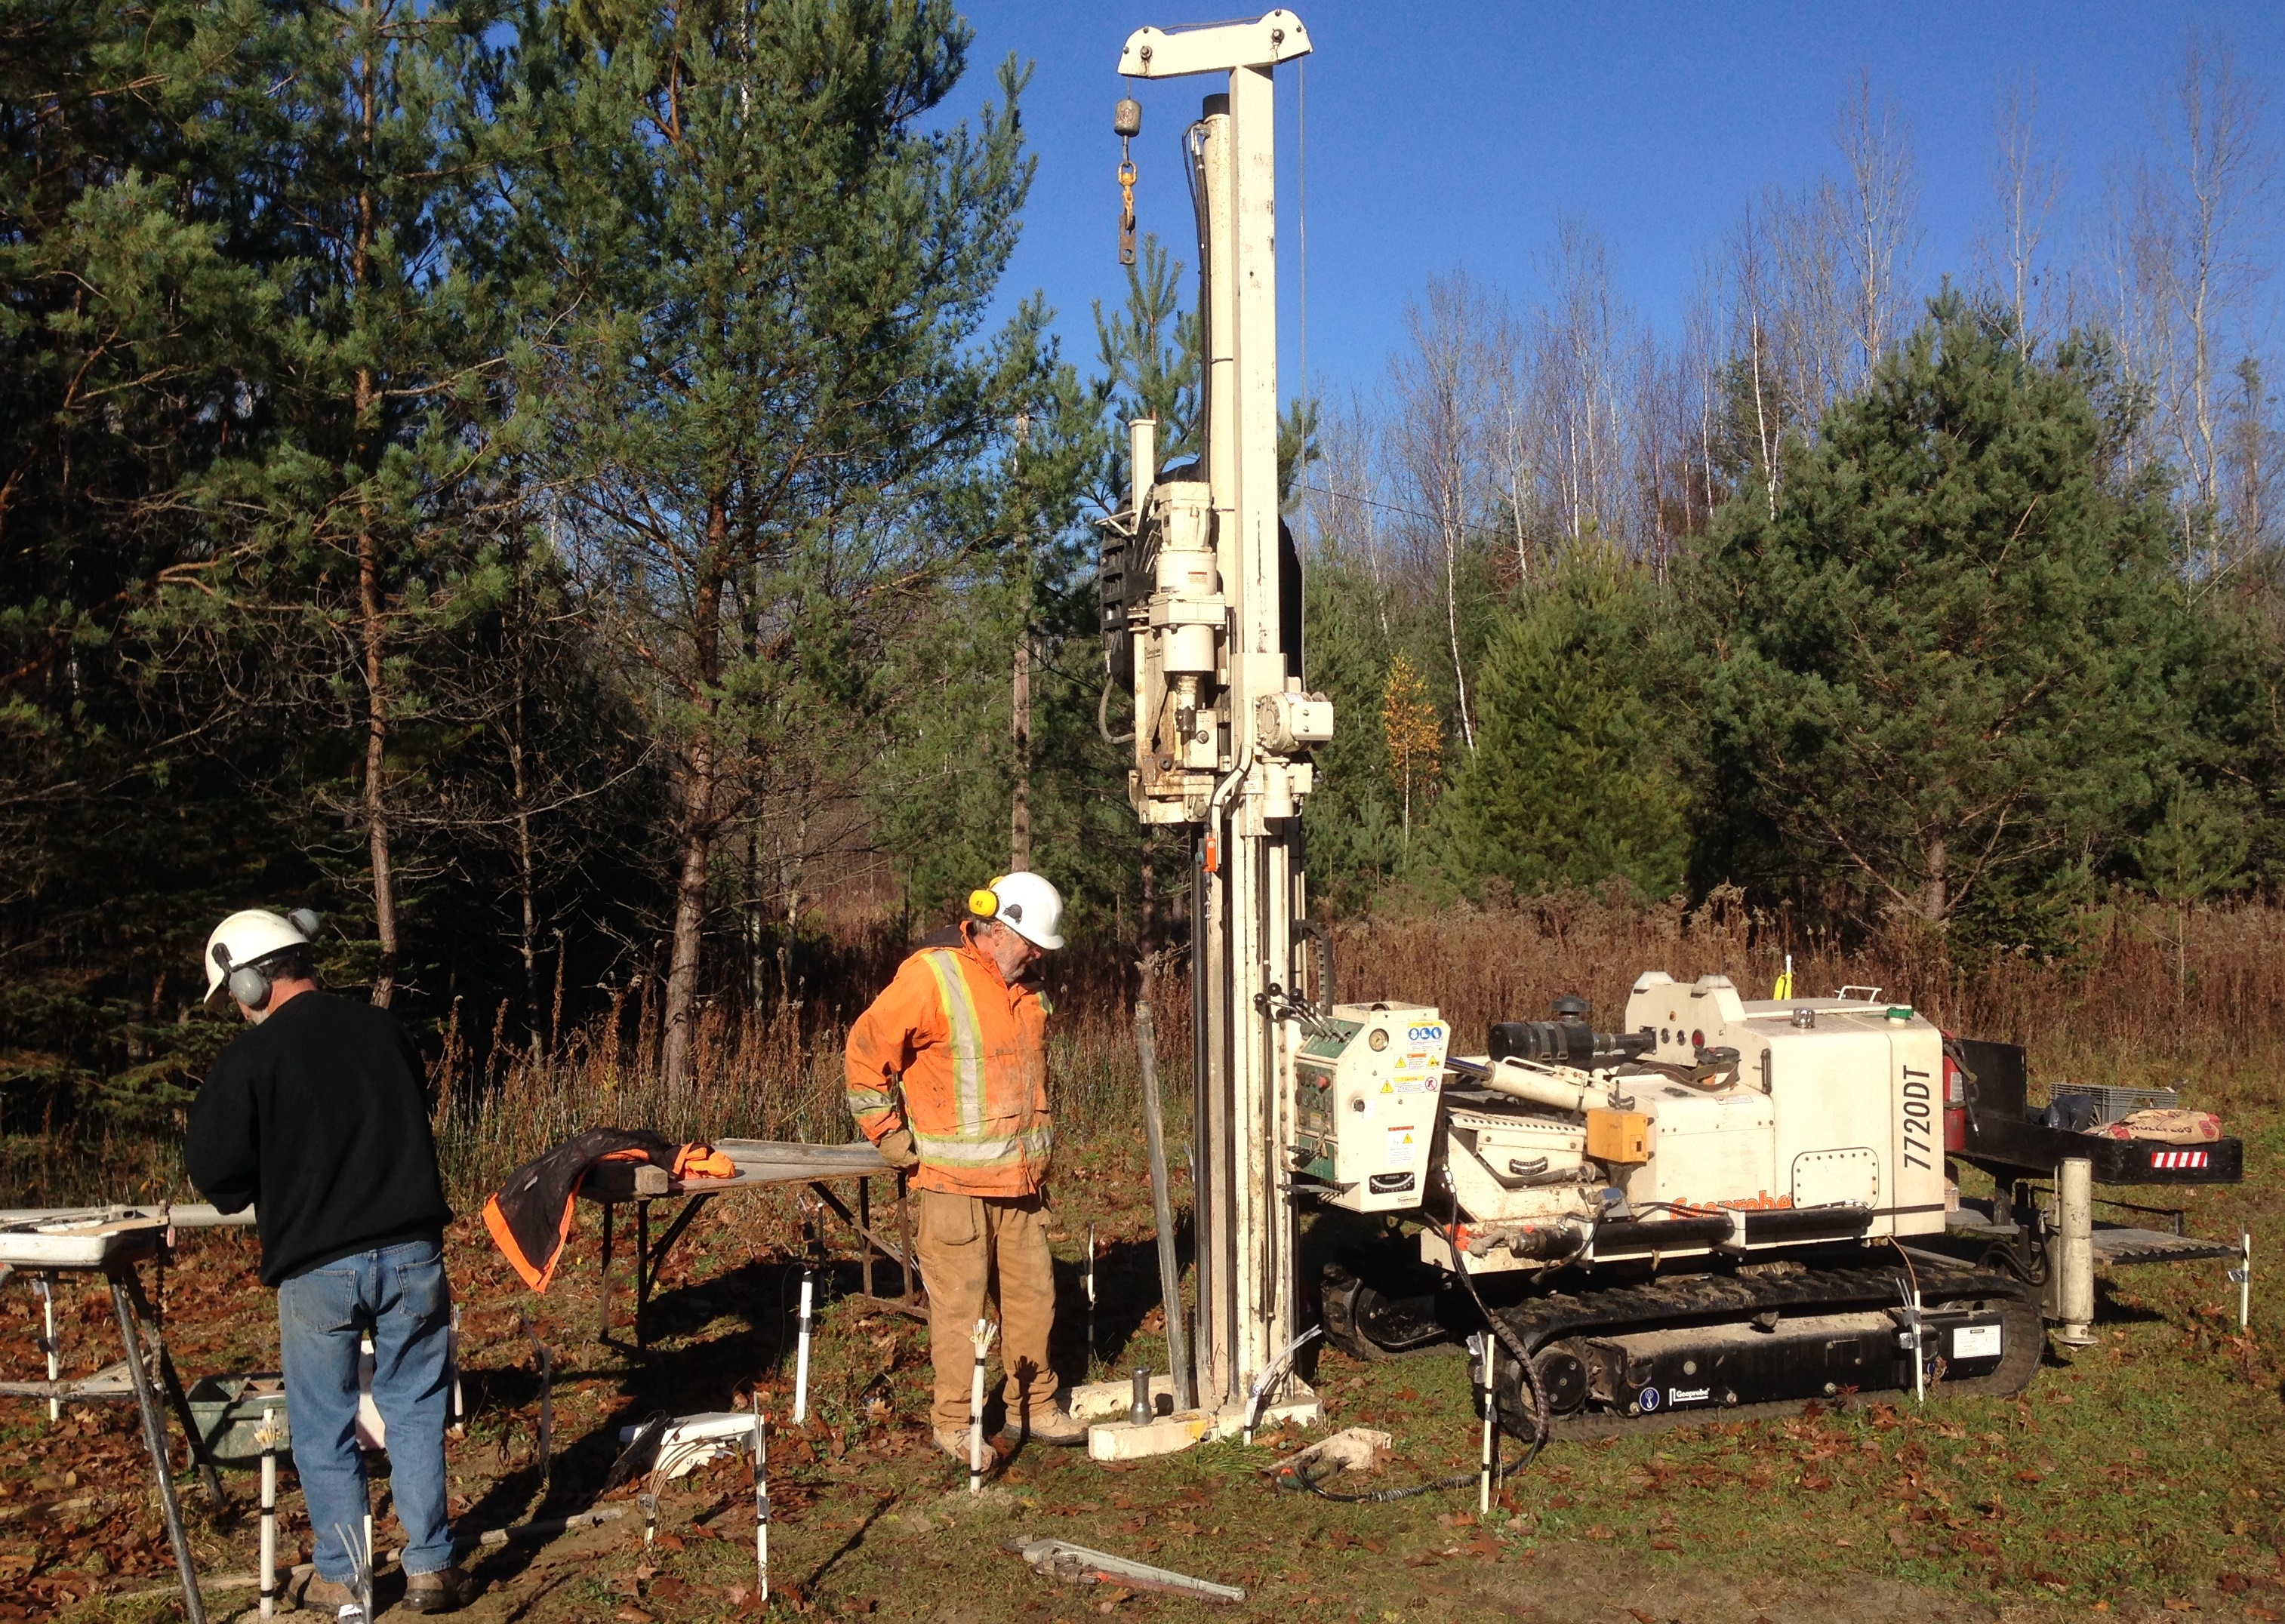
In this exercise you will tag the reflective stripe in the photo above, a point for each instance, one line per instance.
(967, 1042)
(1030, 1143)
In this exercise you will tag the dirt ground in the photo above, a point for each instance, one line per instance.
(2139, 1480)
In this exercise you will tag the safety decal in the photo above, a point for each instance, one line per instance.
(2177, 1160)
(1648, 1398)
(1977, 1342)
(1403, 1148)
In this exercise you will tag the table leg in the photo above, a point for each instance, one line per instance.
(604, 1314)
(642, 1273)
(178, 1398)
(155, 1439)
(904, 1233)
(865, 1229)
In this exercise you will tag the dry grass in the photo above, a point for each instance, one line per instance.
(2152, 994)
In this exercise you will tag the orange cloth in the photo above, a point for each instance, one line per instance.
(955, 1053)
(704, 1161)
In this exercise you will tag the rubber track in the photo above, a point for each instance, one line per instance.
(1679, 1301)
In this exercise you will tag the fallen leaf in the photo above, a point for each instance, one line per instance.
(1598, 1532)
(1664, 1544)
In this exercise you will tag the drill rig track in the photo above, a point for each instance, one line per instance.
(1687, 1349)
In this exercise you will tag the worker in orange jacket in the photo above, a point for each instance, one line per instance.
(947, 1074)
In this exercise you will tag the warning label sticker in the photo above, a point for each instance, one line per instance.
(1975, 1342)
(1403, 1148)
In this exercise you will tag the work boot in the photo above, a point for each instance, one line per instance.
(335, 1601)
(444, 1590)
(953, 1441)
(1051, 1424)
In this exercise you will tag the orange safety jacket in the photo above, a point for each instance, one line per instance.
(971, 1053)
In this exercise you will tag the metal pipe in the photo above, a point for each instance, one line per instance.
(1142, 460)
(801, 1351)
(1521, 1081)
(1162, 1209)
(2070, 1286)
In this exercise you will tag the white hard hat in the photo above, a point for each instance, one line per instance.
(245, 940)
(1026, 905)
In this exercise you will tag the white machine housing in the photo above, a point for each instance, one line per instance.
(1366, 1093)
(1833, 1103)
(1836, 1099)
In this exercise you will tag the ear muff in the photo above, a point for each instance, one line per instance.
(984, 903)
(248, 983)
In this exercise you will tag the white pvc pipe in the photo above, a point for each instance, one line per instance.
(2244, 1279)
(1491, 1419)
(1090, 1299)
(55, 1365)
(269, 1519)
(982, 1338)
(761, 1505)
(801, 1355)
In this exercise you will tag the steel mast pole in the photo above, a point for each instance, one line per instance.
(1234, 771)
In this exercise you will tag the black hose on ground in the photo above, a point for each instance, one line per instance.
(1542, 1419)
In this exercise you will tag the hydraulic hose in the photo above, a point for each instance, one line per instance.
(1542, 1419)
(1103, 718)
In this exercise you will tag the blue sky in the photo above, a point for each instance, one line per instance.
(1444, 137)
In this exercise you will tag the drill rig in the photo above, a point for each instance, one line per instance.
(1723, 1207)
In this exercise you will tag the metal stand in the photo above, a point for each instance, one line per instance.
(650, 1256)
(123, 1290)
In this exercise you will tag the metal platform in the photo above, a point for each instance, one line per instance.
(2114, 1243)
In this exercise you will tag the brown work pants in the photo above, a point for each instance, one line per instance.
(974, 1247)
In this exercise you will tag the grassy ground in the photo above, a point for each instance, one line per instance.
(2140, 1478)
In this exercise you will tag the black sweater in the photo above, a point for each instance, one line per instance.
(317, 1117)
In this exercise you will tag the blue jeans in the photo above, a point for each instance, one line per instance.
(397, 1293)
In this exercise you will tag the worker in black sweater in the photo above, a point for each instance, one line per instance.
(317, 1116)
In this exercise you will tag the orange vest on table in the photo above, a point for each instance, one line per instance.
(969, 1055)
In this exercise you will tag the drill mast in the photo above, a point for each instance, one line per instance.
(1202, 602)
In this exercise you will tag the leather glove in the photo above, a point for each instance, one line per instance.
(897, 1148)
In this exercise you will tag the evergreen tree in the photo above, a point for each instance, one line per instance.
(767, 404)
(1572, 782)
(1935, 672)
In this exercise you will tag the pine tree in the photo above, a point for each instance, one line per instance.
(1572, 782)
(1935, 671)
(766, 407)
